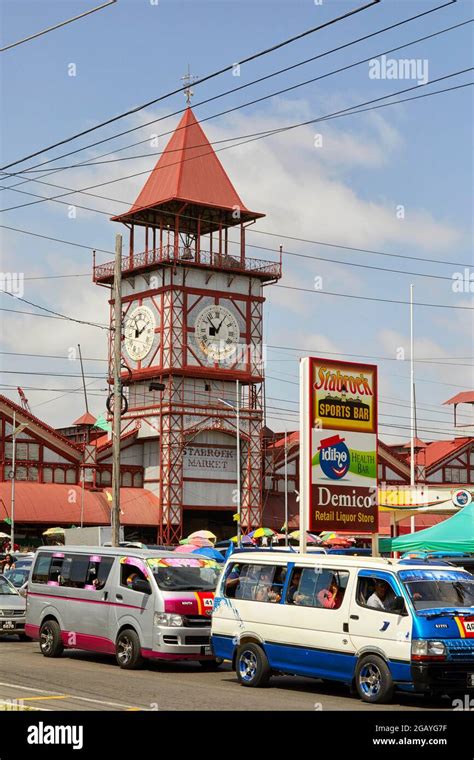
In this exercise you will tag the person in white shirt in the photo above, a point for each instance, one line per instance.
(379, 600)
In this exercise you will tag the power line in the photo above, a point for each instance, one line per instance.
(93, 162)
(308, 351)
(55, 313)
(373, 298)
(206, 78)
(256, 136)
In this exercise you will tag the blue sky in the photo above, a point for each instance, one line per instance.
(347, 191)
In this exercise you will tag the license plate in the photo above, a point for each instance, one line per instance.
(207, 650)
(470, 680)
(8, 625)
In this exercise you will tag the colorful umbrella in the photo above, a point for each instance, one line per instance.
(261, 532)
(210, 553)
(243, 540)
(202, 534)
(183, 549)
(53, 531)
(195, 543)
(310, 538)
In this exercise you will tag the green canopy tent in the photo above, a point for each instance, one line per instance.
(454, 534)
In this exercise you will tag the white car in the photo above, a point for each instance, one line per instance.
(12, 610)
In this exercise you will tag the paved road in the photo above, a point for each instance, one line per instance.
(84, 681)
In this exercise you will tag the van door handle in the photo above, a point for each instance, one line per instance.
(105, 595)
(354, 617)
(119, 596)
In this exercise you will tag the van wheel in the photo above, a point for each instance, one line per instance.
(252, 665)
(50, 641)
(373, 679)
(127, 653)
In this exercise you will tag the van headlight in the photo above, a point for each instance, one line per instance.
(426, 649)
(166, 618)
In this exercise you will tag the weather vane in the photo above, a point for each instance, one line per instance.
(188, 78)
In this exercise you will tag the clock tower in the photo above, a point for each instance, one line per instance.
(192, 304)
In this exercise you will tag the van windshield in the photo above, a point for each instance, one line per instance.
(185, 574)
(6, 589)
(434, 589)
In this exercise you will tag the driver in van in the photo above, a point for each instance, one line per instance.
(382, 597)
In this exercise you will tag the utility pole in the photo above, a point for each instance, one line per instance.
(286, 487)
(15, 431)
(87, 441)
(239, 497)
(412, 408)
(117, 408)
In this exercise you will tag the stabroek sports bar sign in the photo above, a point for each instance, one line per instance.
(338, 446)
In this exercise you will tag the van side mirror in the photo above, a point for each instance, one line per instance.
(139, 584)
(398, 605)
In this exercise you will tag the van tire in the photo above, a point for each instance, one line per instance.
(373, 680)
(252, 666)
(128, 650)
(51, 644)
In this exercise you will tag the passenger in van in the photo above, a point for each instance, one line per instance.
(331, 597)
(232, 581)
(132, 577)
(263, 590)
(292, 596)
(382, 597)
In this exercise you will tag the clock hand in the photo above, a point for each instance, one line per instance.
(220, 325)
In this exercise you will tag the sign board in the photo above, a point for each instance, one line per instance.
(338, 446)
(201, 461)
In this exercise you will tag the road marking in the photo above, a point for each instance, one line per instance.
(71, 696)
(56, 696)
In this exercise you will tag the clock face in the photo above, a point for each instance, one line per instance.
(217, 332)
(139, 332)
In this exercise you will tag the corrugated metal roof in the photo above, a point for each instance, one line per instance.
(465, 397)
(60, 504)
(188, 170)
(86, 419)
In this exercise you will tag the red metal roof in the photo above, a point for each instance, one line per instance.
(436, 451)
(86, 419)
(22, 413)
(465, 397)
(50, 504)
(417, 442)
(188, 170)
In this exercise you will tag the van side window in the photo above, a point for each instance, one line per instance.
(98, 572)
(376, 593)
(41, 569)
(317, 587)
(130, 573)
(73, 571)
(258, 583)
(55, 569)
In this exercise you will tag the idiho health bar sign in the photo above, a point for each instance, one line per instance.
(338, 446)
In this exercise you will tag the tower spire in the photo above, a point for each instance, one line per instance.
(188, 79)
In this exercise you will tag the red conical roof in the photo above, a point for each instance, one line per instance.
(188, 170)
(85, 419)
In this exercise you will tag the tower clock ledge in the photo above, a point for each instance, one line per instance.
(267, 271)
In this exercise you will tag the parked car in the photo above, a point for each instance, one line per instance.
(18, 577)
(12, 610)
